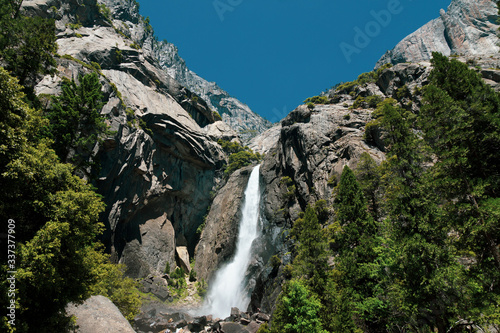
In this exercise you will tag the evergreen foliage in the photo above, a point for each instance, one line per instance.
(58, 259)
(297, 310)
(369, 176)
(76, 124)
(422, 255)
(27, 44)
(239, 156)
(317, 100)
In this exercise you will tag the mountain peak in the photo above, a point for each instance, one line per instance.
(468, 27)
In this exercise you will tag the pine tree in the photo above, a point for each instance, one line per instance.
(297, 310)
(369, 177)
(352, 212)
(358, 304)
(27, 44)
(311, 262)
(461, 123)
(424, 277)
(76, 124)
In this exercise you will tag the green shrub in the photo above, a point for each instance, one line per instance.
(178, 273)
(373, 101)
(105, 11)
(167, 268)
(134, 45)
(297, 310)
(317, 100)
(239, 156)
(74, 26)
(121, 290)
(364, 78)
(144, 127)
(192, 275)
(130, 113)
(332, 181)
(310, 105)
(286, 180)
(216, 115)
(275, 262)
(118, 55)
(264, 328)
(403, 92)
(240, 160)
(95, 65)
(201, 288)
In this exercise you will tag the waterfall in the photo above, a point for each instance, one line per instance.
(228, 288)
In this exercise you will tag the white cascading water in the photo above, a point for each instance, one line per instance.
(228, 289)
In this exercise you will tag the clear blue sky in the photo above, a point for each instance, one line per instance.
(273, 54)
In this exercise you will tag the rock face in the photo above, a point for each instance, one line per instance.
(158, 169)
(235, 113)
(99, 314)
(218, 239)
(468, 27)
(263, 142)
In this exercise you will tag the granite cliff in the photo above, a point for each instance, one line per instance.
(468, 27)
(158, 169)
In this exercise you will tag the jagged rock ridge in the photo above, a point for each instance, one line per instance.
(235, 113)
(468, 27)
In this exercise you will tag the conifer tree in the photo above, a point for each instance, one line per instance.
(369, 177)
(27, 44)
(461, 123)
(311, 262)
(297, 310)
(424, 277)
(76, 124)
(357, 303)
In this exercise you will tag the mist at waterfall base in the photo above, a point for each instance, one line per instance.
(228, 288)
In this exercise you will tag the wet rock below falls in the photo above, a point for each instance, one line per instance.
(156, 321)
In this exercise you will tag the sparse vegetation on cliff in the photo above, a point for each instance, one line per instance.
(239, 156)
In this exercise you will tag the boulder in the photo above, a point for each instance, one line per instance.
(99, 314)
(228, 327)
(157, 286)
(182, 257)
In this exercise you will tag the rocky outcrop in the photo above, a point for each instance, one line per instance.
(468, 27)
(218, 239)
(99, 314)
(263, 142)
